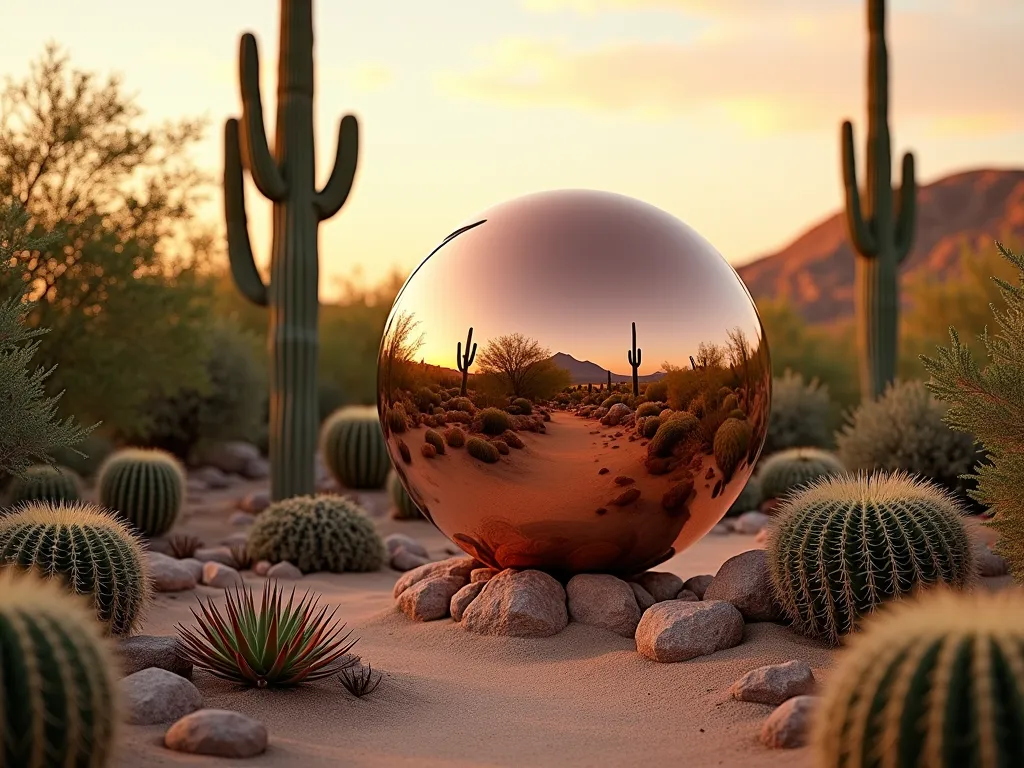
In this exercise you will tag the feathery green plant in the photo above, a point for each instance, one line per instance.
(44, 482)
(145, 486)
(843, 545)
(280, 644)
(404, 507)
(353, 447)
(801, 414)
(783, 472)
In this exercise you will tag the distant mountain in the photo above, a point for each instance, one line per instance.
(586, 372)
(816, 271)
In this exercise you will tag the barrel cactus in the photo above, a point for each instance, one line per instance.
(94, 552)
(749, 499)
(842, 546)
(44, 483)
(353, 448)
(145, 486)
(939, 681)
(482, 450)
(788, 470)
(404, 507)
(58, 690)
(317, 533)
(732, 439)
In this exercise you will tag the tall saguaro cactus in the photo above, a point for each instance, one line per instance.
(881, 233)
(633, 355)
(463, 361)
(286, 176)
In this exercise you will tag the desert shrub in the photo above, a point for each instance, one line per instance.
(403, 507)
(731, 442)
(801, 414)
(435, 439)
(397, 419)
(844, 545)
(86, 458)
(353, 448)
(458, 417)
(671, 432)
(94, 553)
(522, 406)
(426, 399)
(317, 533)
(782, 472)
(460, 404)
(455, 437)
(657, 391)
(749, 500)
(482, 450)
(145, 486)
(44, 483)
(493, 421)
(904, 429)
(647, 409)
(501, 445)
(611, 400)
(651, 425)
(513, 440)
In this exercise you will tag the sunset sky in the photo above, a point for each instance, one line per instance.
(725, 113)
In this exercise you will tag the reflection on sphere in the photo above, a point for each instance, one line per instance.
(493, 385)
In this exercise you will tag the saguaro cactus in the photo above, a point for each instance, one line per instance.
(609, 380)
(463, 361)
(880, 233)
(286, 176)
(633, 356)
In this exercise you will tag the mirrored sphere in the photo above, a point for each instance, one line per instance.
(494, 375)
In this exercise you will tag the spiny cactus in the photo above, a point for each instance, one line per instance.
(397, 419)
(58, 691)
(464, 361)
(480, 449)
(881, 232)
(317, 533)
(732, 439)
(729, 403)
(512, 440)
(937, 681)
(785, 471)
(842, 546)
(95, 553)
(404, 507)
(501, 445)
(352, 444)
(44, 483)
(522, 406)
(633, 356)
(455, 437)
(435, 439)
(647, 409)
(493, 421)
(672, 430)
(145, 486)
(285, 176)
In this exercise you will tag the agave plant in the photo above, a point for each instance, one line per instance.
(359, 680)
(241, 558)
(183, 545)
(279, 645)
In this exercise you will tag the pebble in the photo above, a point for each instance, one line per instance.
(750, 523)
(261, 567)
(789, 725)
(242, 519)
(461, 599)
(698, 584)
(518, 604)
(155, 695)
(775, 683)
(221, 554)
(285, 571)
(430, 599)
(401, 540)
(145, 651)
(220, 576)
(676, 630)
(217, 732)
(404, 560)
(643, 598)
(601, 600)
(453, 566)
(661, 585)
(168, 574)
(743, 580)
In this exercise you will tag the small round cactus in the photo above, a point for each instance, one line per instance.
(353, 447)
(501, 445)
(843, 545)
(44, 483)
(317, 533)
(58, 691)
(480, 449)
(647, 409)
(512, 440)
(455, 437)
(145, 486)
(435, 439)
(95, 553)
(937, 681)
(494, 421)
(672, 431)
(732, 439)
(404, 507)
(788, 470)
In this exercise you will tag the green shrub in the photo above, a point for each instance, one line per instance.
(648, 409)
(353, 448)
(397, 419)
(95, 447)
(493, 421)
(731, 441)
(460, 404)
(651, 424)
(801, 414)
(92, 551)
(657, 391)
(426, 399)
(455, 437)
(671, 432)
(145, 486)
(404, 507)
(317, 533)
(435, 439)
(749, 500)
(842, 546)
(782, 472)
(457, 417)
(44, 483)
(611, 400)
(480, 449)
(522, 406)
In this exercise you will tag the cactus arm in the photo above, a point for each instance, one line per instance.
(243, 265)
(860, 229)
(255, 148)
(906, 209)
(472, 356)
(328, 201)
(639, 355)
(458, 357)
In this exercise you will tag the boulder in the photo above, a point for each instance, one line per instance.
(430, 599)
(775, 683)
(698, 584)
(518, 604)
(789, 725)
(155, 695)
(750, 523)
(461, 599)
(160, 651)
(231, 456)
(255, 502)
(211, 478)
(677, 630)
(743, 580)
(284, 571)
(401, 540)
(404, 560)
(168, 574)
(217, 732)
(644, 599)
(221, 576)
(662, 586)
(453, 566)
(601, 600)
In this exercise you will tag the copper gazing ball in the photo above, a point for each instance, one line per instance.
(498, 352)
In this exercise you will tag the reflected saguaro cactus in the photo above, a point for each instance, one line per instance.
(633, 356)
(286, 176)
(463, 361)
(881, 234)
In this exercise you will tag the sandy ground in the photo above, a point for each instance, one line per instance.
(451, 698)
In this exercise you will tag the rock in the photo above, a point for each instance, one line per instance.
(601, 600)
(168, 574)
(210, 477)
(461, 599)
(241, 519)
(217, 732)
(989, 563)
(430, 599)
(686, 596)
(482, 574)
(453, 566)
(220, 576)
(155, 695)
(255, 503)
(221, 554)
(194, 566)
(676, 630)
(775, 683)
(750, 523)
(743, 580)
(789, 725)
(145, 651)
(284, 571)
(626, 498)
(235, 539)
(615, 414)
(195, 487)
(721, 529)
(396, 540)
(261, 567)
(404, 560)
(644, 599)
(518, 604)
(623, 480)
(698, 584)
(256, 468)
(231, 456)
(661, 585)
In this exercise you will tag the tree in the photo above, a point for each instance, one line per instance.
(514, 359)
(399, 349)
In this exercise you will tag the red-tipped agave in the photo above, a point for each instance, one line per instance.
(281, 644)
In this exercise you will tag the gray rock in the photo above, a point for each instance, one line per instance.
(256, 469)
(615, 415)
(194, 566)
(221, 576)
(145, 651)
(750, 523)
(404, 560)
(210, 477)
(453, 566)
(601, 600)
(644, 599)
(687, 596)
(284, 571)
(221, 554)
(461, 599)
(242, 519)
(661, 585)
(236, 538)
(775, 683)
(255, 503)
(168, 574)
(698, 584)
(743, 580)
(195, 487)
(989, 564)
(677, 630)
(396, 540)
(721, 529)
(154, 695)
(789, 725)
(261, 567)
(430, 599)
(518, 604)
(231, 456)
(217, 732)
